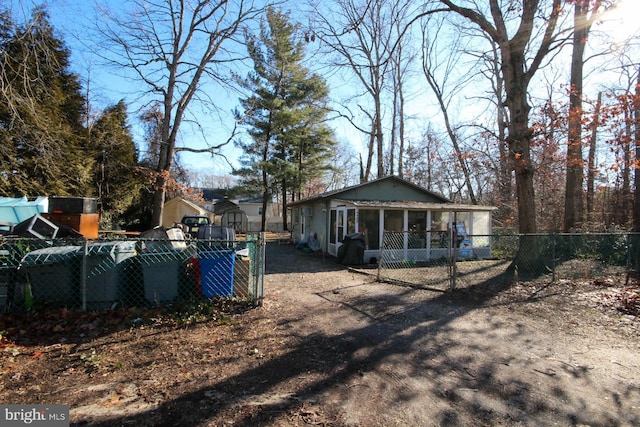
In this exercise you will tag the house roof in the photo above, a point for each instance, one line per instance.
(212, 194)
(225, 205)
(344, 193)
(408, 204)
(194, 206)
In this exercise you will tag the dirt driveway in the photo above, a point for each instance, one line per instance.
(333, 347)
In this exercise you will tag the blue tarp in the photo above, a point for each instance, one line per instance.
(14, 210)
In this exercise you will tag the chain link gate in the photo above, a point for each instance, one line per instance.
(109, 273)
(439, 260)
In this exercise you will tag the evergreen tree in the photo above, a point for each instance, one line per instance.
(285, 113)
(41, 110)
(115, 155)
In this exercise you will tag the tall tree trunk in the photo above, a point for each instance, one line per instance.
(573, 207)
(636, 176)
(626, 200)
(400, 128)
(394, 127)
(591, 164)
(285, 226)
(505, 165)
(379, 138)
(372, 140)
(452, 135)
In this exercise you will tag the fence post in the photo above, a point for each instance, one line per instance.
(263, 255)
(381, 255)
(553, 257)
(83, 274)
(453, 268)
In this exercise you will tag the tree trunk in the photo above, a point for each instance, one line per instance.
(379, 137)
(626, 200)
(573, 206)
(636, 177)
(372, 140)
(591, 165)
(158, 201)
(285, 226)
(527, 262)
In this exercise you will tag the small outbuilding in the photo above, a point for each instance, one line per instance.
(395, 205)
(178, 207)
(231, 215)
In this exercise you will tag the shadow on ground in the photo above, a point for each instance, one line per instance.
(407, 342)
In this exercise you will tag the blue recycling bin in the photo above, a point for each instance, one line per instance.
(216, 273)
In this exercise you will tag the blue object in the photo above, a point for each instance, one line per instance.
(216, 273)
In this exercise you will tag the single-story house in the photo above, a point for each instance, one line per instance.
(178, 207)
(392, 204)
(253, 207)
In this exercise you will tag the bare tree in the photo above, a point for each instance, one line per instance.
(401, 59)
(431, 56)
(586, 12)
(522, 52)
(174, 48)
(362, 36)
(591, 162)
(636, 124)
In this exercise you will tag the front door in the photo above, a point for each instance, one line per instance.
(342, 222)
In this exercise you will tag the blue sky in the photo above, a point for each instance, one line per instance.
(74, 20)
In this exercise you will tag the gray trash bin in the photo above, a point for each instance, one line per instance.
(161, 275)
(105, 272)
(53, 274)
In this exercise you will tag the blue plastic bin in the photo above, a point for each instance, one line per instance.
(216, 273)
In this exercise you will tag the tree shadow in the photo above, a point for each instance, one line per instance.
(412, 336)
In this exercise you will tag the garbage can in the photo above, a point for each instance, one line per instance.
(216, 273)
(53, 274)
(6, 270)
(105, 266)
(161, 275)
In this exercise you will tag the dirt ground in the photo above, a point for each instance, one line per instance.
(333, 347)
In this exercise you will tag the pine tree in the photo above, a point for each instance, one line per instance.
(285, 113)
(115, 155)
(41, 110)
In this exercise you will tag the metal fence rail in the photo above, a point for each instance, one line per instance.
(102, 274)
(446, 262)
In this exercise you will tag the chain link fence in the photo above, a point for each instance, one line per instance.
(103, 274)
(445, 261)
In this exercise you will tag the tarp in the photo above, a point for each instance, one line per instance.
(352, 250)
(14, 210)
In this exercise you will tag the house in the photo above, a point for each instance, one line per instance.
(253, 207)
(391, 204)
(178, 207)
(243, 214)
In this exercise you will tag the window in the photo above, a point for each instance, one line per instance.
(340, 225)
(393, 220)
(369, 224)
(439, 229)
(417, 220)
(417, 225)
(351, 221)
